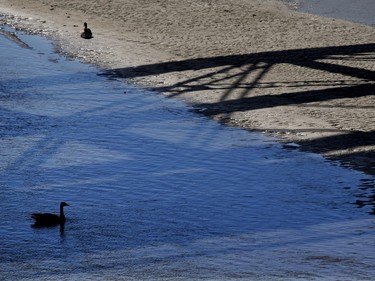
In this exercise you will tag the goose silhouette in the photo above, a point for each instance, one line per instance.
(86, 34)
(47, 219)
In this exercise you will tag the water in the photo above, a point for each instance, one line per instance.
(157, 192)
(360, 11)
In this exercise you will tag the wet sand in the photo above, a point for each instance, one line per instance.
(254, 64)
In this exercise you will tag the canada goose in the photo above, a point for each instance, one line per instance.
(86, 34)
(46, 219)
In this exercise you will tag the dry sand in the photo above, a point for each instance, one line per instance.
(253, 64)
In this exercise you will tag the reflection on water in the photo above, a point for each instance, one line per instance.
(157, 192)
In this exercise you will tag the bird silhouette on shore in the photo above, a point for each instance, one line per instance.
(48, 220)
(86, 34)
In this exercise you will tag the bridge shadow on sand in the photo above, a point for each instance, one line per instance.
(240, 80)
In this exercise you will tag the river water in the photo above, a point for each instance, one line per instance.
(359, 11)
(157, 192)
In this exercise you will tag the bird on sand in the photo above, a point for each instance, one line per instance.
(47, 219)
(86, 34)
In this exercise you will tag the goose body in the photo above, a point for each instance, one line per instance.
(47, 219)
(86, 34)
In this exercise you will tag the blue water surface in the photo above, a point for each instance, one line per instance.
(157, 192)
(359, 11)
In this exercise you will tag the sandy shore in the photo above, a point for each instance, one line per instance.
(253, 64)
